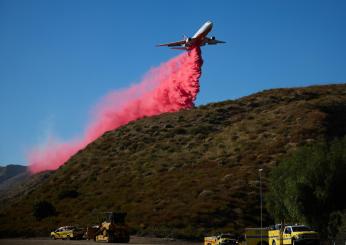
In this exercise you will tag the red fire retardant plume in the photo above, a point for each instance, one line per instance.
(168, 88)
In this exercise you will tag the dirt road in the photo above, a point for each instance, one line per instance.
(134, 240)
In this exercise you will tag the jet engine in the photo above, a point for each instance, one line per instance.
(188, 40)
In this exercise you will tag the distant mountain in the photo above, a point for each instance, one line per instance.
(10, 171)
(183, 174)
(11, 178)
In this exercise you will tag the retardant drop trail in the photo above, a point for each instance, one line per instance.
(168, 88)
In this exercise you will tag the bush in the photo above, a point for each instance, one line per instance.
(43, 209)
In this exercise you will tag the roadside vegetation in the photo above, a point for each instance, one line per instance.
(309, 187)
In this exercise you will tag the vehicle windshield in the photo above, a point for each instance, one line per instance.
(300, 228)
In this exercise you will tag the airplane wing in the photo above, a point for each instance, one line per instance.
(179, 43)
(212, 41)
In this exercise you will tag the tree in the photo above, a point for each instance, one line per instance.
(43, 209)
(308, 187)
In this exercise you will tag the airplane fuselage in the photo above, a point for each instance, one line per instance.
(199, 39)
(204, 30)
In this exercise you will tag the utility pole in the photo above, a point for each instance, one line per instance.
(260, 182)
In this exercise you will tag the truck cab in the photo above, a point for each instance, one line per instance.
(293, 235)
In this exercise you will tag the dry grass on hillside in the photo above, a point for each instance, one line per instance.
(188, 173)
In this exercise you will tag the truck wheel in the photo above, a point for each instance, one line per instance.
(53, 237)
(68, 237)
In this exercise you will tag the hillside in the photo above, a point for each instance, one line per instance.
(183, 174)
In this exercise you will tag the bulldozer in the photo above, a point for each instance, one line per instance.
(112, 228)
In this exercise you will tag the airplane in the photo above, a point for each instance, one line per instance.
(199, 39)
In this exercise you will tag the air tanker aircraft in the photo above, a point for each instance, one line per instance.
(199, 39)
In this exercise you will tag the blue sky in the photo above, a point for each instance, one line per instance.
(59, 57)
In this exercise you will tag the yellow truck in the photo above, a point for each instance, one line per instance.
(288, 235)
(293, 235)
(255, 236)
(112, 228)
(222, 239)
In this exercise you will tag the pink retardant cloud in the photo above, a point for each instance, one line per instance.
(168, 88)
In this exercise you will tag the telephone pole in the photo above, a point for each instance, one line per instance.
(260, 182)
